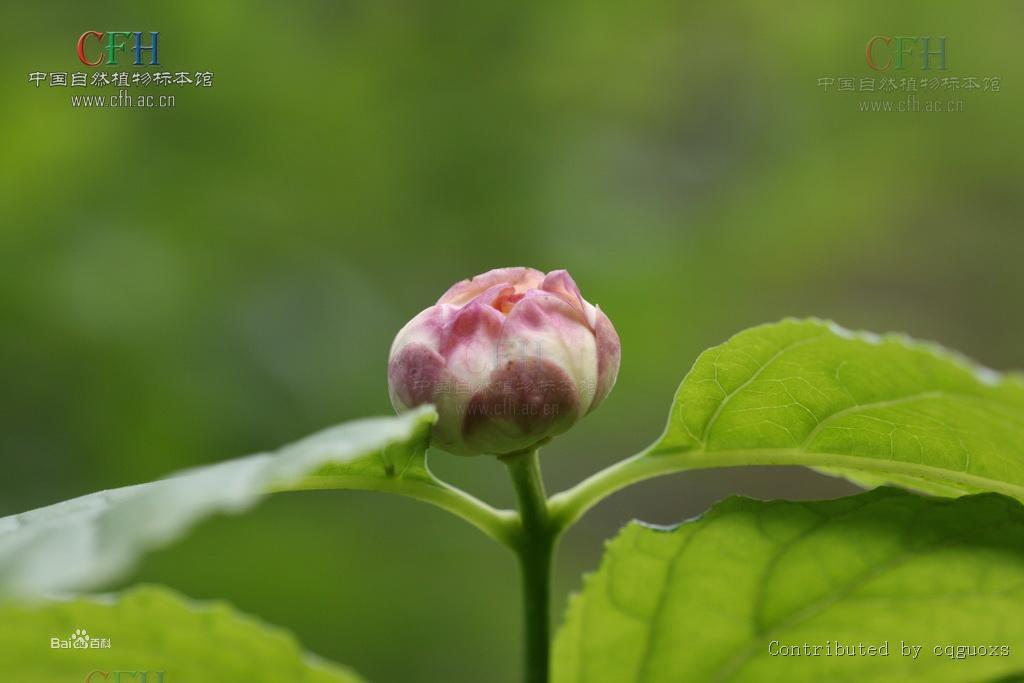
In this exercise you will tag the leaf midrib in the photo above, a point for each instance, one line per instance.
(655, 462)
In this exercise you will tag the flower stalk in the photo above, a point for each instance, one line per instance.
(534, 546)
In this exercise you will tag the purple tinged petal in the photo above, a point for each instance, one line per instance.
(509, 358)
(426, 328)
(544, 326)
(609, 352)
(526, 401)
(415, 364)
(414, 375)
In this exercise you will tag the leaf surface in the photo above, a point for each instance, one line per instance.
(874, 409)
(87, 541)
(151, 630)
(706, 600)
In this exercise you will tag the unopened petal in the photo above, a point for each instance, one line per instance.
(509, 358)
(544, 326)
(522, 279)
(415, 373)
(527, 401)
(561, 284)
(609, 352)
(469, 342)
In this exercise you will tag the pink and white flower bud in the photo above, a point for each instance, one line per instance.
(509, 358)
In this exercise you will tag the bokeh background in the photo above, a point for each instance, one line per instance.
(186, 285)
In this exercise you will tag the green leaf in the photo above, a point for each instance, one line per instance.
(705, 601)
(891, 408)
(877, 410)
(87, 541)
(151, 630)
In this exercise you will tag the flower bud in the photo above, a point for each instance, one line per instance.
(509, 358)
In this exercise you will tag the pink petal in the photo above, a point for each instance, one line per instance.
(495, 296)
(469, 341)
(426, 328)
(544, 326)
(560, 283)
(525, 402)
(414, 376)
(463, 292)
(609, 352)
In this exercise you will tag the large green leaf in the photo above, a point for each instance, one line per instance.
(896, 410)
(878, 410)
(705, 601)
(84, 542)
(151, 630)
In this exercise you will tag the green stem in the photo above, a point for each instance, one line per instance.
(568, 506)
(534, 547)
(498, 524)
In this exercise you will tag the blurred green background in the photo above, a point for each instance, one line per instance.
(181, 286)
